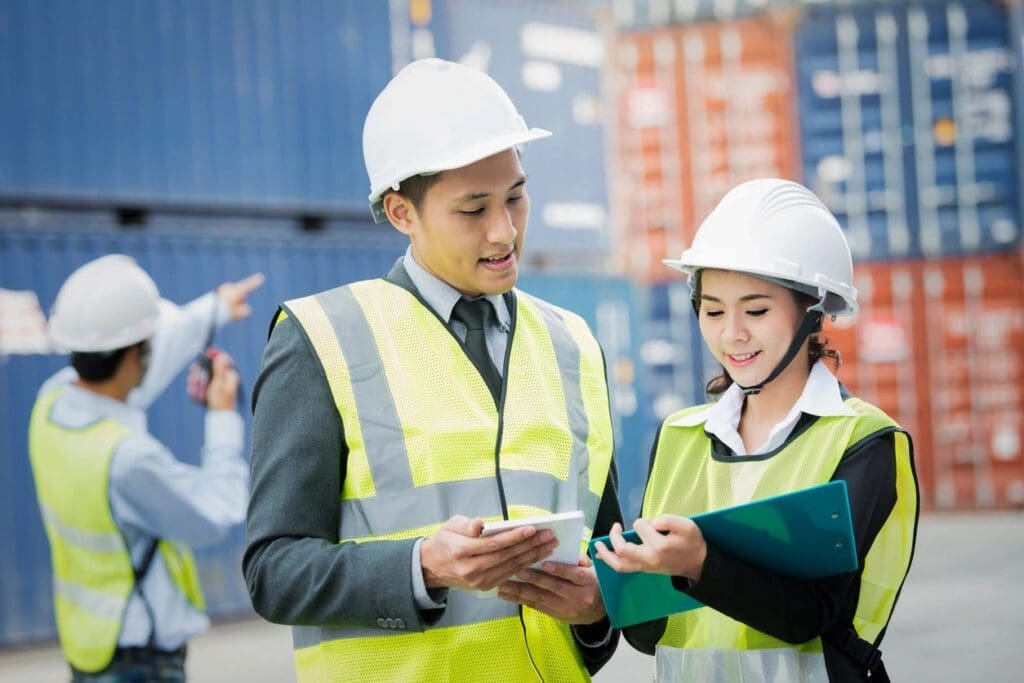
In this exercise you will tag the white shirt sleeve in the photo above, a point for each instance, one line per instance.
(180, 337)
(158, 494)
(422, 594)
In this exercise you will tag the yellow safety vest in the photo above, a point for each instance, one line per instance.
(685, 480)
(92, 567)
(426, 441)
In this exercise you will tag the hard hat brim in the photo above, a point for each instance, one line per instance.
(464, 158)
(690, 266)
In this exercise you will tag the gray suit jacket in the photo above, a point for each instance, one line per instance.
(294, 568)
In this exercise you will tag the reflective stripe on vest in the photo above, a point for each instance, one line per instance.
(702, 638)
(92, 568)
(422, 430)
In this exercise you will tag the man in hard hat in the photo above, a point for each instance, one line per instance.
(121, 512)
(393, 417)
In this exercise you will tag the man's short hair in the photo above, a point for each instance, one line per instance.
(97, 367)
(415, 188)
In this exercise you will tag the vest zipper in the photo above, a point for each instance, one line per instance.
(497, 467)
(501, 409)
(402, 279)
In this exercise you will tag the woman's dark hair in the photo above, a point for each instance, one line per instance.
(98, 367)
(817, 345)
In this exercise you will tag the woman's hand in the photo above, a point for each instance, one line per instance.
(671, 545)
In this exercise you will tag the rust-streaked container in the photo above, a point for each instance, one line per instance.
(974, 310)
(883, 359)
(698, 109)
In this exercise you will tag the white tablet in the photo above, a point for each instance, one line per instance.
(566, 526)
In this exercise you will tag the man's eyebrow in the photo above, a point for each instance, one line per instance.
(470, 196)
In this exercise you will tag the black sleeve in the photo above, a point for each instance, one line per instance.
(794, 610)
(294, 568)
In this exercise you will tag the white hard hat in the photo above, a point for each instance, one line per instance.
(777, 230)
(435, 116)
(107, 304)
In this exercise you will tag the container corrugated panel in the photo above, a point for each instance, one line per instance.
(884, 358)
(939, 345)
(611, 308)
(907, 122)
(190, 101)
(974, 310)
(962, 67)
(548, 58)
(676, 362)
(647, 14)
(851, 77)
(1017, 43)
(699, 109)
(186, 258)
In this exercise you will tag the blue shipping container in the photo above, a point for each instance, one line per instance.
(1017, 41)
(193, 101)
(907, 121)
(676, 363)
(548, 57)
(633, 15)
(188, 257)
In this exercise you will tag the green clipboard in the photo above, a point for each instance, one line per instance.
(805, 534)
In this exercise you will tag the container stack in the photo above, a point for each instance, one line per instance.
(698, 108)
(908, 133)
(212, 141)
(904, 117)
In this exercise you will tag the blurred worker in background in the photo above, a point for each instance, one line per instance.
(121, 512)
(765, 268)
(394, 416)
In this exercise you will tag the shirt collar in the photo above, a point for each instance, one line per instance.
(442, 297)
(821, 396)
(78, 407)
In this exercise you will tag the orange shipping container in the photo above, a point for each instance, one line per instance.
(698, 109)
(939, 345)
(974, 310)
(882, 353)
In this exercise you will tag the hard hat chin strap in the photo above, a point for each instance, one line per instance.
(811, 324)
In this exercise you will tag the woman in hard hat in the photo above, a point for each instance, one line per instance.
(766, 266)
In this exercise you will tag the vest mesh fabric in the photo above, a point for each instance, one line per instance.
(695, 482)
(93, 576)
(536, 442)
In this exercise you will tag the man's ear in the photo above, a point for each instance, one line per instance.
(400, 211)
(133, 354)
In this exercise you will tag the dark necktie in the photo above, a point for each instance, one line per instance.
(473, 314)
